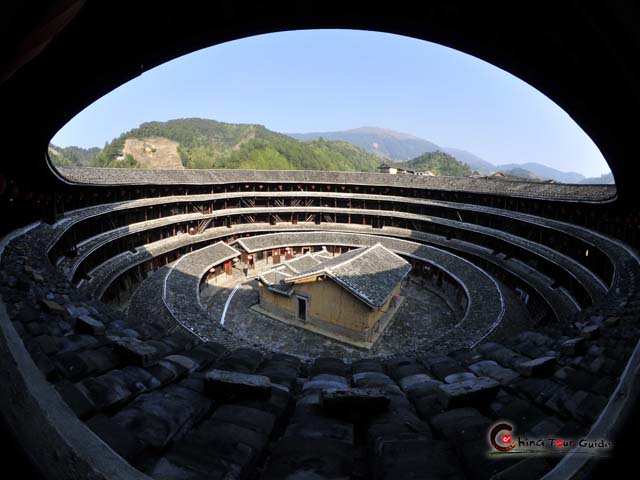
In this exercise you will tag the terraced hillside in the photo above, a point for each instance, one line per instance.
(199, 143)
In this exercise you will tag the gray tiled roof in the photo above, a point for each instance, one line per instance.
(369, 273)
(142, 406)
(275, 275)
(275, 278)
(330, 263)
(221, 251)
(189, 270)
(302, 263)
(490, 185)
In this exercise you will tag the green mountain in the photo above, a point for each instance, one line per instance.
(203, 143)
(473, 161)
(400, 147)
(439, 163)
(522, 173)
(377, 141)
(396, 146)
(72, 156)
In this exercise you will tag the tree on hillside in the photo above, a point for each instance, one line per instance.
(440, 163)
(209, 144)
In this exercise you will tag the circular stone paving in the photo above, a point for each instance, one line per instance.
(421, 316)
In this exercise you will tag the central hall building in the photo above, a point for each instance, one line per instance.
(345, 296)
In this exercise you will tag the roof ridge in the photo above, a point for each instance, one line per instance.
(354, 291)
(286, 264)
(227, 245)
(326, 270)
(390, 251)
(291, 260)
(355, 257)
(279, 269)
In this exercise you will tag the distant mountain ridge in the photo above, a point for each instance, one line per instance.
(377, 141)
(543, 171)
(605, 178)
(401, 147)
(204, 143)
(473, 161)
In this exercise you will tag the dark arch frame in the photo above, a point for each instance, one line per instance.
(582, 55)
(579, 55)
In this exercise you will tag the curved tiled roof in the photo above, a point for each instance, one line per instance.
(119, 176)
(592, 285)
(166, 408)
(485, 306)
(89, 394)
(144, 384)
(369, 273)
(274, 278)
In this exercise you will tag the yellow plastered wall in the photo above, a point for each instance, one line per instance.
(331, 303)
(270, 300)
(385, 307)
(327, 304)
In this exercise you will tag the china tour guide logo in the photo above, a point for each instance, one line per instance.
(504, 441)
(501, 439)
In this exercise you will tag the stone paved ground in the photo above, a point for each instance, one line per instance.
(219, 287)
(421, 314)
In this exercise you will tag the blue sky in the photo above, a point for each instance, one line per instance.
(326, 80)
